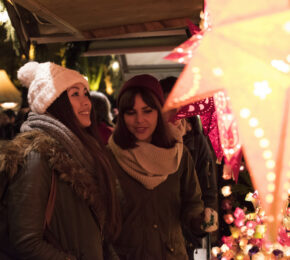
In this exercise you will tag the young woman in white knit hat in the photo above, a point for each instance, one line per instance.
(156, 174)
(57, 160)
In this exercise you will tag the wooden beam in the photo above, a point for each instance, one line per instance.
(35, 7)
(100, 52)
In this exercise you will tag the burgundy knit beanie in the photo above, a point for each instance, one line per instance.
(145, 81)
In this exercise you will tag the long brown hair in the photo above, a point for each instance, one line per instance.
(161, 136)
(62, 110)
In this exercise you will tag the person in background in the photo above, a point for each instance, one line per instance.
(104, 116)
(20, 118)
(4, 120)
(59, 148)
(204, 164)
(8, 125)
(155, 170)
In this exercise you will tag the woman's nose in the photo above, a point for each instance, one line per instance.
(85, 101)
(139, 117)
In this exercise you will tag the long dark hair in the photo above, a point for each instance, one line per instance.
(161, 136)
(62, 110)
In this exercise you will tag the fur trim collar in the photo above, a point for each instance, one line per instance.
(13, 154)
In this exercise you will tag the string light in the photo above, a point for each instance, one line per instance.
(270, 164)
(264, 143)
(253, 122)
(271, 187)
(269, 198)
(248, 234)
(181, 60)
(215, 251)
(228, 218)
(267, 154)
(245, 113)
(218, 72)
(226, 191)
(259, 132)
(271, 176)
(287, 27)
(262, 89)
(281, 65)
(224, 248)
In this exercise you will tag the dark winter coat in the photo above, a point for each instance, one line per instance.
(151, 228)
(29, 160)
(204, 165)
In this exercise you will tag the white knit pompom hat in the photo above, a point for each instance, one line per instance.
(45, 82)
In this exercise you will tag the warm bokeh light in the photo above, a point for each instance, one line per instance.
(281, 65)
(4, 17)
(253, 122)
(267, 154)
(10, 96)
(271, 187)
(9, 105)
(287, 26)
(259, 132)
(218, 72)
(226, 191)
(262, 89)
(271, 176)
(245, 113)
(115, 66)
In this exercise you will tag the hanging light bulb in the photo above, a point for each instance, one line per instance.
(226, 191)
(32, 52)
(115, 66)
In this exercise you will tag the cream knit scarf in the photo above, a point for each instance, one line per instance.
(147, 163)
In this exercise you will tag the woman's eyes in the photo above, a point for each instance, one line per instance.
(76, 94)
(130, 112)
(133, 112)
(148, 111)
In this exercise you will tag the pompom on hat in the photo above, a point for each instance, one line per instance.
(46, 82)
(143, 81)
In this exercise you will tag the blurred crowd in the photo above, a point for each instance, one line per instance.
(10, 122)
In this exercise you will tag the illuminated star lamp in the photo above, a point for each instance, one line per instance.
(247, 54)
(10, 97)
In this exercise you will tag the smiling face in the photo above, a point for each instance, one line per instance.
(141, 120)
(79, 98)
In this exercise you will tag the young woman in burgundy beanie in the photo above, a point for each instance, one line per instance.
(156, 174)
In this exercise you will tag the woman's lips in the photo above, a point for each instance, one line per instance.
(140, 130)
(84, 113)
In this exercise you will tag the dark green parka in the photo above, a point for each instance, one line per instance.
(29, 160)
(151, 224)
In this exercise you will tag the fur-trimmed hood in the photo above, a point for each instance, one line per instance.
(13, 157)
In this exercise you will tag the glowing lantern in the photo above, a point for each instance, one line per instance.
(10, 96)
(246, 53)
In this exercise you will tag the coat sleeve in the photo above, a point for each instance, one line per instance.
(192, 207)
(204, 166)
(27, 199)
